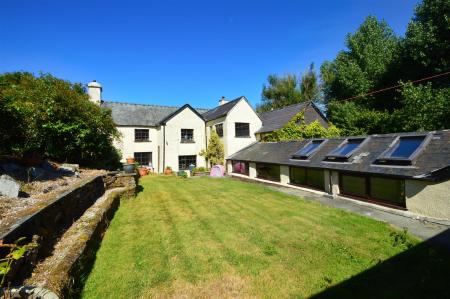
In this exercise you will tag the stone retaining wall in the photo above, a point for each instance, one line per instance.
(75, 252)
(46, 226)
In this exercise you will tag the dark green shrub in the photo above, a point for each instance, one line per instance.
(199, 169)
(54, 118)
(182, 174)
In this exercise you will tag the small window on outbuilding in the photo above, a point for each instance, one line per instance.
(384, 190)
(240, 167)
(268, 171)
(309, 177)
(403, 150)
(345, 149)
(309, 149)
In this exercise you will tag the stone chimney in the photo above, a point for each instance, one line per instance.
(222, 101)
(95, 92)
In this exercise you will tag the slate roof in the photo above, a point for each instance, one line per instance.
(276, 119)
(126, 114)
(432, 163)
(221, 110)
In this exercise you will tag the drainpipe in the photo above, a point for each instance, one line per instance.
(164, 148)
(206, 144)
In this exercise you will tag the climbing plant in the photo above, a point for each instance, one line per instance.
(297, 129)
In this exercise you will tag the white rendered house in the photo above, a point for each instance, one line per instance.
(163, 136)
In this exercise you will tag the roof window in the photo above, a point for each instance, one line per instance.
(403, 150)
(309, 149)
(345, 149)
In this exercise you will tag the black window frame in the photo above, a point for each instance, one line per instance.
(190, 136)
(298, 156)
(386, 159)
(141, 135)
(139, 159)
(344, 158)
(306, 184)
(368, 193)
(219, 131)
(246, 167)
(242, 130)
(187, 160)
(258, 175)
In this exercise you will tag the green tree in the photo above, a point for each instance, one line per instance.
(426, 47)
(54, 118)
(369, 63)
(287, 90)
(355, 119)
(281, 92)
(361, 68)
(214, 153)
(309, 87)
(424, 108)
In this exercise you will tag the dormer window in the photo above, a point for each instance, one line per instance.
(403, 150)
(344, 151)
(309, 149)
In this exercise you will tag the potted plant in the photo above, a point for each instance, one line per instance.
(130, 160)
(168, 170)
(142, 170)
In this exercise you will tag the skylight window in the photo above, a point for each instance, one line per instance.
(309, 149)
(407, 146)
(403, 150)
(345, 149)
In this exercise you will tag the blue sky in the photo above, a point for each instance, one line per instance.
(176, 52)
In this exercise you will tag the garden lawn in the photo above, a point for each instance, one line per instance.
(209, 238)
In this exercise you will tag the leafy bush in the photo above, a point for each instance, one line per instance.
(15, 252)
(182, 174)
(199, 169)
(297, 129)
(215, 152)
(54, 118)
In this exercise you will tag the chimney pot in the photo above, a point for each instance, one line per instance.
(222, 101)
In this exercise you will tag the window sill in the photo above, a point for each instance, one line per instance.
(268, 179)
(140, 141)
(243, 136)
(187, 141)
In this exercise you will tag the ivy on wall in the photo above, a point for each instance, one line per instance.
(297, 129)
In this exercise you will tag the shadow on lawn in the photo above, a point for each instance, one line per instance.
(422, 271)
(139, 189)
